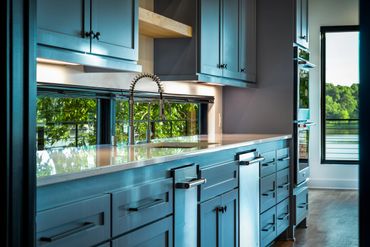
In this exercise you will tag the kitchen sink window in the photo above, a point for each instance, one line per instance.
(181, 119)
(74, 117)
(340, 88)
(65, 122)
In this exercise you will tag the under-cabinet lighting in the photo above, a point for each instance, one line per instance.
(51, 61)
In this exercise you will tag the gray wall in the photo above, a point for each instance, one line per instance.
(269, 107)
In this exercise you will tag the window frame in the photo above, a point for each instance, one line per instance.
(323, 31)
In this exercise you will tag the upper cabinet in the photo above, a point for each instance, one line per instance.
(302, 30)
(223, 45)
(107, 28)
(227, 39)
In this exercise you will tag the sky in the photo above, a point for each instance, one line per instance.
(342, 58)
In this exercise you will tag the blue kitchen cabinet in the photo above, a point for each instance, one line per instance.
(101, 33)
(219, 221)
(301, 22)
(158, 234)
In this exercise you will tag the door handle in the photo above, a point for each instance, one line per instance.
(83, 227)
(191, 184)
(147, 205)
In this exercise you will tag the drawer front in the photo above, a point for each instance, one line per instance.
(283, 184)
(267, 192)
(268, 166)
(158, 234)
(283, 158)
(220, 179)
(268, 226)
(283, 216)
(301, 200)
(84, 223)
(141, 205)
(303, 175)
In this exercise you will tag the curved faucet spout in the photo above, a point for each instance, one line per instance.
(131, 102)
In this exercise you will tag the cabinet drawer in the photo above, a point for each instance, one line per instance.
(301, 203)
(268, 166)
(158, 234)
(142, 204)
(283, 185)
(220, 179)
(283, 158)
(268, 226)
(267, 192)
(283, 216)
(83, 223)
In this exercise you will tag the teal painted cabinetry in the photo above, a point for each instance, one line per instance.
(302, 30)
(227, 41)
(96, 33)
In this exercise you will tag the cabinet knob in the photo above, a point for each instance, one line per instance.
(243, 70)
(89, 34)
(97, 35)
(222, 66)
(303, 37)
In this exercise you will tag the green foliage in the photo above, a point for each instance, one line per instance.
(341, 101)
(59, 118)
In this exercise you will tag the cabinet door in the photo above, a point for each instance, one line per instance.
(247, 40)
(210, 37)
(117, 23)
(157, 234)
(63, 24)
(230, 39)
(210, 217)
(229, 224)
(302, 22)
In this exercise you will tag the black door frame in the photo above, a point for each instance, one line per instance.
(18, 97)
(364, 168)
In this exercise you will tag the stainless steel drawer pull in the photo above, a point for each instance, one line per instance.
(256, 160)
(284, 185)
(283, 216)
(302, 205)
(191, 184)
(83, 227)
(284, 159)
(147, 205)
(269, 227)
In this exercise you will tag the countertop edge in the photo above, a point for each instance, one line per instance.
(44, 181)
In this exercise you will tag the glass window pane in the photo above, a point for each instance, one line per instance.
(341, 96)
(65, 122)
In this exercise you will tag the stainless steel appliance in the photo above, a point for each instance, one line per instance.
(249, 198)
(302, 121)
(301, 136)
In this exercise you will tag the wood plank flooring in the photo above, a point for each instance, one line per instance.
(332, 221)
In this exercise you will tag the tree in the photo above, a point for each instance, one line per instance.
(341, 101)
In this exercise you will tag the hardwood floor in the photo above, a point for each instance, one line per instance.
(332, 221)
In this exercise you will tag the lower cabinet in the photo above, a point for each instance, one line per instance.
(83, 223)
(158, 234)
(268, 226)
(301, 204)
(283, 216)
(219, 221)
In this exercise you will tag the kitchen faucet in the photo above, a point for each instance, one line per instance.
(156, 79)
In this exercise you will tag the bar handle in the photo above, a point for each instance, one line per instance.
(302, 205)
(271, 163)
(147, 205)
(85, 226)
(284, 185)
(283, 216)
(268, 227)
(191, 183)
(284, 159)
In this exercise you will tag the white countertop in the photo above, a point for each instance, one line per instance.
(59, 165)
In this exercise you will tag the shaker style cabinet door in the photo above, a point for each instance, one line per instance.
(302, 30)
(210, 62)
(63, 24)
(115, 24)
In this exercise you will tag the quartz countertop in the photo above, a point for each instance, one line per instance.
(59, 165)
